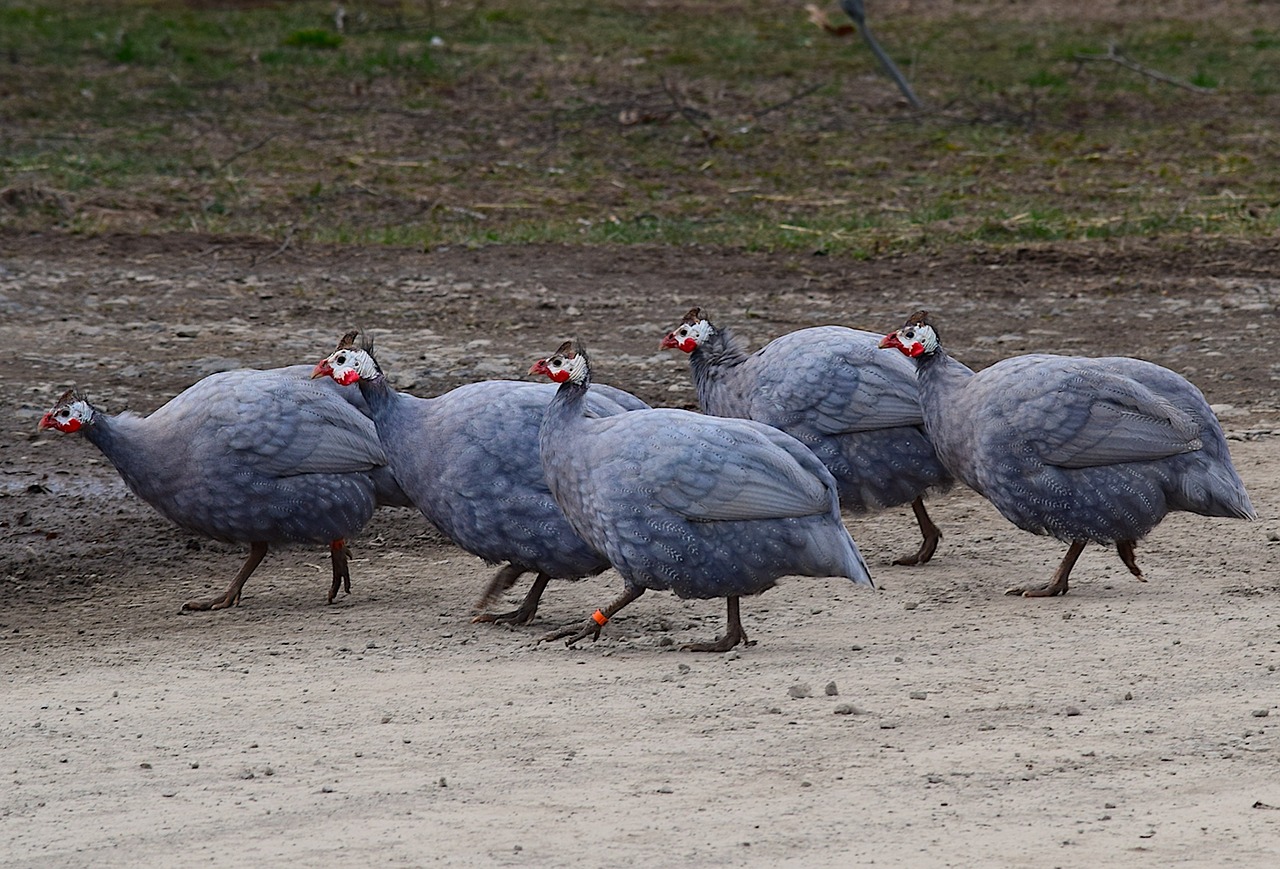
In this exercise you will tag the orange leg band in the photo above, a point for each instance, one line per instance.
(599, 617)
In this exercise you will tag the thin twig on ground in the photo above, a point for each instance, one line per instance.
(794, 98)
(708, 136)
(247, 149)
(1114, 56)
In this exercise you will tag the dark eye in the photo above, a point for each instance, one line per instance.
(341, 360)
(909, 333)
(64, 413)
(683, 331)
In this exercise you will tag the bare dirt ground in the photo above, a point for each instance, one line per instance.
(934, 722)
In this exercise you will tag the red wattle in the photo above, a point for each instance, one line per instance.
(559, 376)
(688, 345)
(349, 377)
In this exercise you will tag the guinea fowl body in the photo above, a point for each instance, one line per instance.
(830, 388)
(468, 459)
(255, 457)
(856, 408)
(1035, 435)
(698, 505)
(1084, 449)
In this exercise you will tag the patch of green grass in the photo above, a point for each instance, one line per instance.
(705, 122)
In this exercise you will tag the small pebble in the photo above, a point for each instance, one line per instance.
(326, 790)
(1128, 695)
(919, 695)
(1072, 711)
(665, 789)
(800, 690)
(847, 709)
(897, 659)
(1260, 713)
(910, 605)
(831, 689)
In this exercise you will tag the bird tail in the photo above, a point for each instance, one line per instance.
(854, 566)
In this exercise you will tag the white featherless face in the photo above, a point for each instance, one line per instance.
(349, 364)
(913, 339)
(562, 367)
(69, 415)
(689, 336)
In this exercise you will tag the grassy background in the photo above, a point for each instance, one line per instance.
(737, 123)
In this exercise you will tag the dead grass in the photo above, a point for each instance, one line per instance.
(615, 122)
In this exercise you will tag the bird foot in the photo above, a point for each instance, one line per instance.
(573, 633)
(721, 644)
(1048, 590)
(731, 638)
(216, 603)
(521, 616)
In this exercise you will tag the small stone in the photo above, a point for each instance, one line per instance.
(919, 695)
(1260, 713)
(846, 709)
(247, 774)
(442, 783)
(897, 659)
(683, 668)
(326, 790)
(666, 641)
(986, 727)
(910, 605)
(800, 690)
(1128, 695)
(806, 784)
(1072, 711)
(145, 765)
(1108, 805)
(855, 648)
(665, 789)
(831, 689)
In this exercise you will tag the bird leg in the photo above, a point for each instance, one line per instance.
(591, 628)
(732, 636)
(341, 574)
(931, 536)
(1125, 548)
(257, 552)
(1058, 585)
(502, 580)
(524, 615)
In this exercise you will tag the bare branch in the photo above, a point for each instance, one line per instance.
(1114, 56)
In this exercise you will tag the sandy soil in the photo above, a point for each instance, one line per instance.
(934, 722)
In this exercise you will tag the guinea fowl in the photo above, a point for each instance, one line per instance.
(1079, 448)
(247, 456)
(703, 506)
(468, 459)
(828, 387)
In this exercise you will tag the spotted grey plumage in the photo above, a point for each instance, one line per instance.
(700, 505)
(830, 388)
(249, 456)
(468, 460)
(1083, 449)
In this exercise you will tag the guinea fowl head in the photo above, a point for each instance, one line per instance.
(70, 413)
(690, 334)
(349, 364)
(569, 363)
(916, 337)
